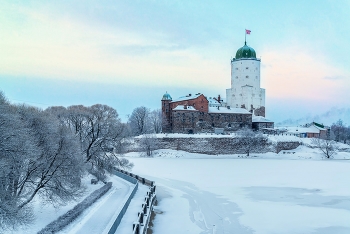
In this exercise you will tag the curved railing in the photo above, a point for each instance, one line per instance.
(143, 217)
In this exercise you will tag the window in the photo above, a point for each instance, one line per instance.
(236, 77)
(229, 125)
(246, 76)
(247, 68)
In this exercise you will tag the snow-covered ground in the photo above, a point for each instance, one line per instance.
(298, 192)
(95, 219)
(46, 213)
(99, 217)
(131, 214)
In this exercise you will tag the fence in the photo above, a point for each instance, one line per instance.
(126, 205)
(143, 218)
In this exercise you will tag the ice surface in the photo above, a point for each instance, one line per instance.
(268, 193)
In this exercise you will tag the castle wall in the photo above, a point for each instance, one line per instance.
(195, 121)
(212, 145)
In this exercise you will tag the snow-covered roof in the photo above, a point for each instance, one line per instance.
(228, 111)
(298, 130)
(260, 119)
(187, 97)
(317, 127)
(182, 107)
(214, 101)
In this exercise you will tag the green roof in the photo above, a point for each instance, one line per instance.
(245, 52)
(166, 97)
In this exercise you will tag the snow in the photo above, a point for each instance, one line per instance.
(188, 97)
(183, 135)
(229, 111)
(101, 215)
(93, 220)
(182, 107)
(260, 119)
(46, 213)
(297, 191)
(131, 214)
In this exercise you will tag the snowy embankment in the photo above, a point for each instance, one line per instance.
(263, 194)
(71, 215)
(93, 220)
(46, 213)
(98, 217)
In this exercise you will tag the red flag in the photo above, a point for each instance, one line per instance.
(247, 31)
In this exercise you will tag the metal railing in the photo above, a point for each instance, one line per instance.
(143, 217)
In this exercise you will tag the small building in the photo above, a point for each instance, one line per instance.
(308, 131)
(260, 123)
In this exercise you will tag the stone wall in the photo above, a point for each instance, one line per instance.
(213, 145)
(196, 122)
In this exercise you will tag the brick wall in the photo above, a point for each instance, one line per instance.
(200, 103)
(195, 121)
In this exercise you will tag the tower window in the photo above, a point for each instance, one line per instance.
(246, 76)
(236, 77)
(247, 68)
(236, 68)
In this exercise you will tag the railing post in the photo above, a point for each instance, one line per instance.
(136, 228)
(141, 215)
(147, 201)
(144, 208)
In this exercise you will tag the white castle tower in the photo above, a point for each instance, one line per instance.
(245, 88)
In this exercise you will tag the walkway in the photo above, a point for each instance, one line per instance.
(97, 217)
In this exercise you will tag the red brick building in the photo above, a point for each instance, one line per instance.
(192, 114)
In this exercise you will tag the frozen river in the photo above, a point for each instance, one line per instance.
(262, 196)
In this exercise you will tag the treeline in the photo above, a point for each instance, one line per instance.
(46, 153)
(340, 132)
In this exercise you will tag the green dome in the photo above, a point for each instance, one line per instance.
(166, 96)
(245, 52)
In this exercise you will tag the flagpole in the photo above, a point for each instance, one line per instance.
(245, 37)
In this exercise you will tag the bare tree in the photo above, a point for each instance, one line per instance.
(148, 144)
(16, 147)
(327, 146)
(251, 141)
(155, 120)
(339, 130)
(100, 133)
(139, 121)
(38, 157)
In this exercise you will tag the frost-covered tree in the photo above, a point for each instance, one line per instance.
(339, 130)
(100, 133)
(139, 121)
(38, 157)
(251, 141)
(327, 146)
(155, 120)
(148, 143)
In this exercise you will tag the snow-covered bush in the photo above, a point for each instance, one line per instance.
(69, 217)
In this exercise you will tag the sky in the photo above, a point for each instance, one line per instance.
(127, 54)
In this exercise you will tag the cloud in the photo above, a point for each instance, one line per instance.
(295, 71)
